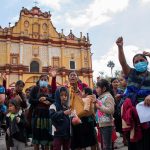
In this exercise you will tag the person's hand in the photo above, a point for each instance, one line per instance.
(146, 53)
(3, 75)
(17, 119)
(147, 101)
(67, 112)
(8, 132)
(92, 98)
(119, 42)
(46, 102)
(118, 97)
(42, 99)
(97, 105)
(95, 101)
(53, 72)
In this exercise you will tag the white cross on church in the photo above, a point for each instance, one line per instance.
(35, 2)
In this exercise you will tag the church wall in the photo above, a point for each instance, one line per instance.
(3, 53)
(71, 54)
(27, 54)
(14, 48)
(43, 55)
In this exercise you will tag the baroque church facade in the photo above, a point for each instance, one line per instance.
(33, 47)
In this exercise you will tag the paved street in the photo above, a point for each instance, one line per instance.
(118, 144)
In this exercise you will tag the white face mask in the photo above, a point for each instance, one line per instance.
(43, 83)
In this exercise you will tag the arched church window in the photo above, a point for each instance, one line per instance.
(72, 64)
(55, 61)
(34, 66)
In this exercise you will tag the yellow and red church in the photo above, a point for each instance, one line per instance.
(33, 46)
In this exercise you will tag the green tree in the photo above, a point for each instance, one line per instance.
(111, 65)
(117, 73)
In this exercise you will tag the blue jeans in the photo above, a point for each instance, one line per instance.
(106, 134)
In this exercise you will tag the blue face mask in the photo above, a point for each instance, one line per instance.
(141, 66)
(43, 83)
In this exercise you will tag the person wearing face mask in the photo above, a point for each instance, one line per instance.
(138, 90)
(40, 100)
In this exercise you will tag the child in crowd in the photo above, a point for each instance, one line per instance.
(15, 123)
(105, 105)
(86, 93)
(59, 113)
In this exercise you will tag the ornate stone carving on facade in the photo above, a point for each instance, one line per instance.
(55, 62)
(35, 11)
(26, 24)
(71, 36)
(45, 27)
(72, 55)
(35, 50)
(14, 59)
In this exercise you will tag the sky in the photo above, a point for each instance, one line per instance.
(104, 20)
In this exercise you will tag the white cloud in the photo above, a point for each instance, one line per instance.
(145, 1)
(101, 64)
(56, 4)
(98, 12)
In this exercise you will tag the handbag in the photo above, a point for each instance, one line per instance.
(77, 104)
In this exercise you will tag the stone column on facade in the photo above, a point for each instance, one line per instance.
(90, 67)
(82, 62)
(89, 59)
(21, 53)
(21, 60)
(49, 55)
(82, 57)
(8, 49)
(62, 55)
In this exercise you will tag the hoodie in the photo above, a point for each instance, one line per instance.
(60, 121)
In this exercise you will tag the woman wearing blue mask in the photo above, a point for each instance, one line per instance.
(40, 100)
(138, 90)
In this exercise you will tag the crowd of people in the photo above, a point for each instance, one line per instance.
(74, 116)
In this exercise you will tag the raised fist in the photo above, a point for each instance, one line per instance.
(119, 42)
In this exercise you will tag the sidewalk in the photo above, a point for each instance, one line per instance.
(118, 144)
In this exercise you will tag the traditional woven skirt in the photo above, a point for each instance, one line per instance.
(41, 126)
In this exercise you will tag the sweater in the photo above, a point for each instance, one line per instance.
(106, 110)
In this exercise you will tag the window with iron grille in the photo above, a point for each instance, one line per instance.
(72, 64)
(34, 66)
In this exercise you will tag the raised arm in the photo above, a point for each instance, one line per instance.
(53, 74)
(125, 67)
